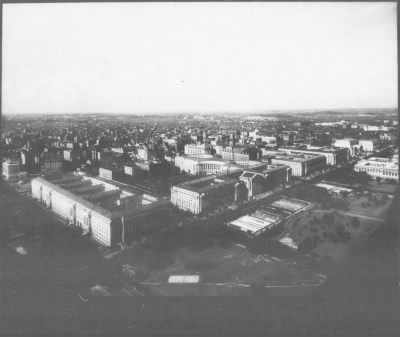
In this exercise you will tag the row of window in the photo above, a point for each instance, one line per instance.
(386, 173)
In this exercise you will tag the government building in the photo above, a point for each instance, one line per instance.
(205, 194)
(301, 164)
(261, 181)
(333, 156)
(101, 209)
(205, 165)
(376, 167)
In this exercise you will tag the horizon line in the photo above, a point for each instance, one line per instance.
(198, 112)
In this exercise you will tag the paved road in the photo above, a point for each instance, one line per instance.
(352, 214)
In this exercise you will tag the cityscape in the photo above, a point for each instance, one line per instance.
(199, 169)
(200, 205)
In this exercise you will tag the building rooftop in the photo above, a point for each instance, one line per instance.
(88, 201)
(298, 157)
(316, 150)
(248, 174)
(255, 223)
(206, 184)
(84, 202)
(184, 279)
(379, 162)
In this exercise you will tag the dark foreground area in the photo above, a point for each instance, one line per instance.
(359, 299)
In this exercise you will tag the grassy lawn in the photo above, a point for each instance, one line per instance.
(383, 186)
(214, 264)
(374, 206)
(332, 234)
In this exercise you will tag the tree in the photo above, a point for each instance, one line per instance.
(344, 194)
(342, 234)
(4, 233)
(328, 218)
(306, 245)
(355, 222)
(363, 178)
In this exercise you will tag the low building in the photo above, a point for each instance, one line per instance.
(256, 223)
(11, 170)
(384, 168)
(184, 279)
(301, 164)
(204, 194)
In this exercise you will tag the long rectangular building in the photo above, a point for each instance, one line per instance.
(204, 165)
(333, 156)
(98, 209)
(383, 168)
(301, 164)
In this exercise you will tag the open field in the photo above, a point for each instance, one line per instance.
(214, 264)
(383, 186)
(374, 206)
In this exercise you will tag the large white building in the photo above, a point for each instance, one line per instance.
(375, 167)
(101, 209)
(301, 164)
(194, 150)
(206, 193)
(333, 156)
(204, 165)
(348, 143)
(368, 145)
(375, 128)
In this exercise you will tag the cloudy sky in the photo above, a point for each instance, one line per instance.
(198, 57)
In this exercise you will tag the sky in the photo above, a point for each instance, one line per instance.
(198, 57)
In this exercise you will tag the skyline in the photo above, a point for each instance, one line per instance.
(196, 57)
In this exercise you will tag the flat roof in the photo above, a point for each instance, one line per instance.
(333, 188)
(65, 178)
(319, 150)
(74, 197)
(206, 184)
(103, 195)
(291, 205)
(248, 174)
(184, 279)
(296, 157)
(100, 210)
(390, 165)
(252, 224)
